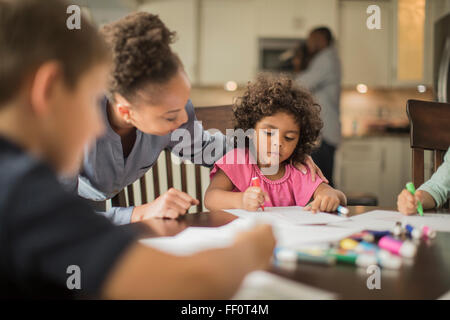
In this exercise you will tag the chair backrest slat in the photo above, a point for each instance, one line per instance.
(155, 172)
(130, 195)
(183, 177)
(430, 130)
(169, 169)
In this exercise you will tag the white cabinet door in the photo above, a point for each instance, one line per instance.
(377, 165)
(366, 55)
(228, 47)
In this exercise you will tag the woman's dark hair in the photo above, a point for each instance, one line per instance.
(140, 44)
(271, 94)
(33, 32)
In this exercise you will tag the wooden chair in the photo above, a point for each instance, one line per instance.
(217, 117)
(430, 130)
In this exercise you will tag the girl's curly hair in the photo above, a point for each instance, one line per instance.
(140, 43)
(271, 94)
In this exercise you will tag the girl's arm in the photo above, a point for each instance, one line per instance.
(327, 199)
(219, 195)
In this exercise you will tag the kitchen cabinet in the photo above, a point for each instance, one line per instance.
(366, 55)
(376, 165)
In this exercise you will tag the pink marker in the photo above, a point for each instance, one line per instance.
(257, 183)
(405, 249)
(428, 232)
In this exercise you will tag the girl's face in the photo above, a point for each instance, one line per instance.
(276, 137)
(164, 114)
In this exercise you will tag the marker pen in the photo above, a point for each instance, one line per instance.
(348, 244)
(410, 187)
(398, 229)
(405, 249)
(290, 255)
(257, 183)
(360, 260)
(364, 246)
(388, 261)
(379, 234)
(414, 233)
(342, 211)
(428, 232)
(363, 236)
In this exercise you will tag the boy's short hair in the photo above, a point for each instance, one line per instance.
(35, 31)
(271, 94)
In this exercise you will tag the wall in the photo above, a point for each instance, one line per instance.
(180, 16)
(218, 40)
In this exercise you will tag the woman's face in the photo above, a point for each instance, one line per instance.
(164, 111)
(276, 137)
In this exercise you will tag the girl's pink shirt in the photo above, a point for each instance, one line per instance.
(293, 189)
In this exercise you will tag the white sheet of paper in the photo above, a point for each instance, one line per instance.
(195, 239)
(289, 215)
(385, 220)
(302, 236)
(261, 285)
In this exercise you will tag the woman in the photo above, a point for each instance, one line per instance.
(148, 99)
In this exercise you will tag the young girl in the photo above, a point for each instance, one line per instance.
(286, 123)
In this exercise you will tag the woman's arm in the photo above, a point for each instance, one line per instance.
(146, 273)
(327, 199)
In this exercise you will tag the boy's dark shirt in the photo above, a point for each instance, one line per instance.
(44, 230)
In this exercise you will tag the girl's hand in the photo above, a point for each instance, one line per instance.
(407, 203)
(326, 201)
(253, 198)
(315, 170)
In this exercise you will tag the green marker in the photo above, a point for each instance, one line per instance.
(410, 187)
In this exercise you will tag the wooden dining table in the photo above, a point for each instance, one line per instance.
(426, 276)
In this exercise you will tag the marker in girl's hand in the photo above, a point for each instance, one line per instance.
(410, 187)
(342, 211)
(257, 183)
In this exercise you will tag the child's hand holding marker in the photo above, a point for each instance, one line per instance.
(410, 203)
(326, 201)
(254, 197)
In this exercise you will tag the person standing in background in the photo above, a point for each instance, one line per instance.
(323, 77)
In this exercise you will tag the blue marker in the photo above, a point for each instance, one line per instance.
(379, 234)
(342, 211)
(414, 233)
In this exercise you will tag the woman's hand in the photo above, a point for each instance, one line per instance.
(315, 170)
(171, 204)
(253, 198)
